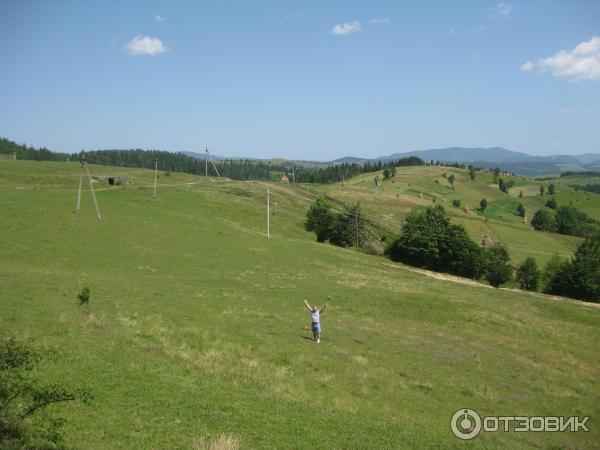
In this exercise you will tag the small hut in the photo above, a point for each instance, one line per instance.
(285, 179)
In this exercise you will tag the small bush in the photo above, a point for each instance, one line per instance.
(84, 296)
(456, 202)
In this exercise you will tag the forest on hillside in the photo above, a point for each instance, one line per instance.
(236, 169)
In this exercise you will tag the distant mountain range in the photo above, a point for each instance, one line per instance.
(517, 162)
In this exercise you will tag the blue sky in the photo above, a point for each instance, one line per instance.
(305, 80)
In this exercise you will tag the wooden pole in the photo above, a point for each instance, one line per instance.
(268, 214)
(93, 192)
(79, 191)
(155, 173)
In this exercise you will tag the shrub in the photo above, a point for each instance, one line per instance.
(528, 274)
(551, 189)
(498, 270)
(456, 203)
(551, 203)
(520, 210)
(482, 205)
(84, 296)
(22, 397)
(543, 220)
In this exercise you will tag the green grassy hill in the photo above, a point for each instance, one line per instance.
(414, 187)
(196, 327)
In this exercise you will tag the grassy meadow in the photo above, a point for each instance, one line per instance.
(196, 327)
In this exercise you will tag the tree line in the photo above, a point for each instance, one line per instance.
(236, 169)
(340, 172)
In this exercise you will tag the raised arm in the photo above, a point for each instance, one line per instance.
(307, 305)
(323, 308)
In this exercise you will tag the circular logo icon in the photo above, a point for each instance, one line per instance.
(465, 424)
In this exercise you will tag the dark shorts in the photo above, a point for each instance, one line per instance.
(316, 327)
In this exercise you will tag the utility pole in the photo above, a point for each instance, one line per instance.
(268, 214)
(93, 192)
(205, 161)
(155, 173)
(79, 190)
(293, 174)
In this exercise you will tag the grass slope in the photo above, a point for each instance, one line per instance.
(196, 326)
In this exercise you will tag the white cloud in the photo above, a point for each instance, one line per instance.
(581, 63)
(145, 45)
(379, 20)
(159, 18)
(501, 11)
(527, 67)
(345, 28)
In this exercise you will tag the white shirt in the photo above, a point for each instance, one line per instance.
(315, 316)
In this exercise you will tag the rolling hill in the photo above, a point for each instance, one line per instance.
(515, 162)
(196, 327)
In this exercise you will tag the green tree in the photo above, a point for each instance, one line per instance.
(472, 173)
(320, 219)
(498, 270)
(579, 278)
(521, 210)
(551, 203)
(349, 227)
(23, 396)
(551, 276)
(551, 189)
(387, 174)
(542, 189)
(584, 270)
(451, 180)
(543, 220)
(393, 171)
(520, 194)
(429, 240)
(528, 274)
(569, 221)
(456, 203)
(482, 205)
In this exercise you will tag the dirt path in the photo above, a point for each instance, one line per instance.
(467, 281)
